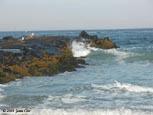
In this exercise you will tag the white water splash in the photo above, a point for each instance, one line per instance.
(80, 49)
(89, 112)
(124, 87)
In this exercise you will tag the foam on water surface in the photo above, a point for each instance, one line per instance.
(91, 90)
(69, 98)
(124, 87)
(81, 49)
(91, 112)
(2, 91)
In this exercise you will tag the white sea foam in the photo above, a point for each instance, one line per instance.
(1, 96)
(121, 55)
(2, 85)
(80, 49)
(66, 99)
(72, 99)
(116, 52)
(89, 112)
(69, 98)
(93, 48)
(123, 87)
(1, 91)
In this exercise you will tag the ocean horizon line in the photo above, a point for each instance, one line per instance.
(64, 30)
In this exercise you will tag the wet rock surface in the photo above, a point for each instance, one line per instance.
(94, 41)
(42, 55)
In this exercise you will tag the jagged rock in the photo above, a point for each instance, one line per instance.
(85, 35)
(103, 43)
(42, 56)
(94, 41)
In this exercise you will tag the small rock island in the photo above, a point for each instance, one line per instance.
(43, 55)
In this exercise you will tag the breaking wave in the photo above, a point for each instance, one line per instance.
(121, 55)
(117, 86)
(89, 112)
(116, 53)
(80, 49)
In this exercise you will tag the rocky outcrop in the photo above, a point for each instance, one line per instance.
(94, 41)
(13, 67)
(42, 55)
(105, 43)
(85, 35)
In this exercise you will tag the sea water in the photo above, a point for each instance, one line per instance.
(116, 81)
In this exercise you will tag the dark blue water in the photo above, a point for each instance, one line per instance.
(116, 81)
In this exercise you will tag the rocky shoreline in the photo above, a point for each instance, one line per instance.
(43, 55)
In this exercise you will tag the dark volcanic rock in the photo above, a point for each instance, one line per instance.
(94, 41)
(84, 34)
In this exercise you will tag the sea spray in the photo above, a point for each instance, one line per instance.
(80, 49)
(83, 49)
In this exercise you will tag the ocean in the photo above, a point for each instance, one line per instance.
(115, 81)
